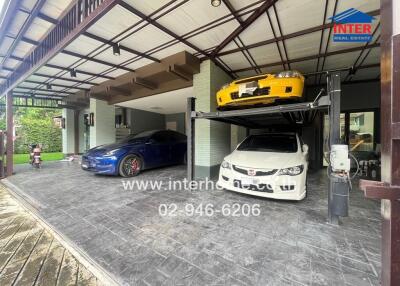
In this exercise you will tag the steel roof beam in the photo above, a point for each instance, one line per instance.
(302, 59)
(66, 79)
(48, 18)
(59, 38)
(322, 36)
(328, 41)
(170, 33)
(229, 5)
(257, 13)
(13, 58)
(58, 85)
(24, 39)
(129, 50)
(245, 53)
(7, 69)
(9, 14)
(44, 90)
(20, 93)
(30, 41)
(275, 37)
(159, 26)
(357, 65)
(38, 6)
(96, 60)
(79, 71)
(280, 31)
(288, 36)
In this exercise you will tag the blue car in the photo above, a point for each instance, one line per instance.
(146, 150)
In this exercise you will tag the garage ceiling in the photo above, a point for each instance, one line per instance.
(288, 35)
(165, 103)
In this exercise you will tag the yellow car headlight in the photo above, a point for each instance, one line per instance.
(288, 74)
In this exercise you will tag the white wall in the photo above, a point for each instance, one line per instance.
(68, 134)
(103, 131)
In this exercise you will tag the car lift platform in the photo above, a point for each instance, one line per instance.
(259, 117)
(294, 115)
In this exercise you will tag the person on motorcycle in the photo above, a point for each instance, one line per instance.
(36, 150)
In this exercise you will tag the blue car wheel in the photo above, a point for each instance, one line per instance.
(130, 166)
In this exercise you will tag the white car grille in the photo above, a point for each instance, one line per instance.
(253, 172)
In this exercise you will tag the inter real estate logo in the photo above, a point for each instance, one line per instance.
(352, 26)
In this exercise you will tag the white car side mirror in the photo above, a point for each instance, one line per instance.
(305, 149)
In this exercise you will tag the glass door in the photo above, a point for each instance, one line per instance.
(361, 131)
(357, 129)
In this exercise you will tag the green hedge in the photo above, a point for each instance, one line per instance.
(36, 125)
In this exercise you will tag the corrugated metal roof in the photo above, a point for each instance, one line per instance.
(196, 21)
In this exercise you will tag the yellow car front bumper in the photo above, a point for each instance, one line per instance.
(269, 91)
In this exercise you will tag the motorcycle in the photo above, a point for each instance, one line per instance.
(35, 155)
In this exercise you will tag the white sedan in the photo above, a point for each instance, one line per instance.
(272, 165)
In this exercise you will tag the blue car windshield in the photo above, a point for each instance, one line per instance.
(140, 135)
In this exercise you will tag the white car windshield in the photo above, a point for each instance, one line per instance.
(284, 143)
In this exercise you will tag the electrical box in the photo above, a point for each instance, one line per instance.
(339, 157)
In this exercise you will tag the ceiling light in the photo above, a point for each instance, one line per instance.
(72, 73)
(48, 86)
(116, 50)
(215, 3)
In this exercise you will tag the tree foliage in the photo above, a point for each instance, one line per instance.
(36, 125)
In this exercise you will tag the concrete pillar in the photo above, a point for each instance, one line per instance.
(212, 139)
(10, 134)
(103, 131)
(68, 133)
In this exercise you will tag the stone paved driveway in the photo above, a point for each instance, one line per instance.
(30, 255)
(290, 243)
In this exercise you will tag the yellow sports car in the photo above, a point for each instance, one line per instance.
(261, 90)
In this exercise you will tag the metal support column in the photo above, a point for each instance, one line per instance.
(2, 173)
(9, 135)
(190, 126)
(333, 88)
(388, 190)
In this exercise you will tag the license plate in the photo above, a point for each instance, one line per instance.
(248, 88)
(249, 181)
(84, 166)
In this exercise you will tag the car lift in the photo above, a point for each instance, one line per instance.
(299, 113)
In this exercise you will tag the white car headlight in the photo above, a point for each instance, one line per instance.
(292, 171)
(288, 74)
(225, 165)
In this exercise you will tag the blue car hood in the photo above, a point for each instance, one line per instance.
(99, 150)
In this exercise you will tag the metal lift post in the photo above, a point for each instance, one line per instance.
(190, 126)
(338, 192)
